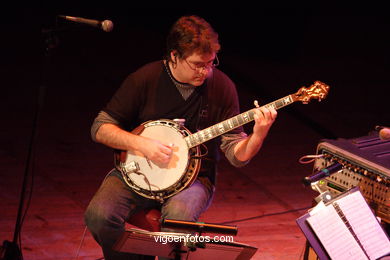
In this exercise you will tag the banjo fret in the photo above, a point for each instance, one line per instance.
(231, 123)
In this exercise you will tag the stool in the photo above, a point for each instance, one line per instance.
(148, 219)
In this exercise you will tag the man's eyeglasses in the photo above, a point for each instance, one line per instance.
(203, 65)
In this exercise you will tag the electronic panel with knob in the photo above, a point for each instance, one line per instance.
(365, 163)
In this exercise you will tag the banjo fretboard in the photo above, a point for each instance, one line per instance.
(231, 123)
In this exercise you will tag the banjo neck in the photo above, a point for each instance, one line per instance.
(232, 123)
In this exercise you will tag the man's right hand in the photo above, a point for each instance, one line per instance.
(113, 136)
(156, 151)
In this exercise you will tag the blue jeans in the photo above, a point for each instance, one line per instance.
(115, 202)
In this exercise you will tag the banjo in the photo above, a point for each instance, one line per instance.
(160, 182)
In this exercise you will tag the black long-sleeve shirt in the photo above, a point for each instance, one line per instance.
(150, 93)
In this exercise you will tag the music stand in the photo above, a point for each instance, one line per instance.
(312, 238)
(136, 241)
(345, 226)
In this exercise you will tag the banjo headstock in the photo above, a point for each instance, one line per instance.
(318, 90)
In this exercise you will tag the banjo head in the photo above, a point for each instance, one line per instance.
(161, 181)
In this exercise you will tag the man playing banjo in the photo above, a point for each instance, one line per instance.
(163, 152)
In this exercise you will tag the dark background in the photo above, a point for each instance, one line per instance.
(269, 52)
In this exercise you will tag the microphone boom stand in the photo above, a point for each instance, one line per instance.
(11, 250)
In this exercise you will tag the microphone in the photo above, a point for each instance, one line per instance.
(384, 132)
(105, 25)
(326, 172)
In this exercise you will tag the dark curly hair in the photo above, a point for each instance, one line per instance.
(191, 34)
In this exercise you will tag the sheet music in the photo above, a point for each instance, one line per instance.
(334, 235)
(348, 229)
(365, 225)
